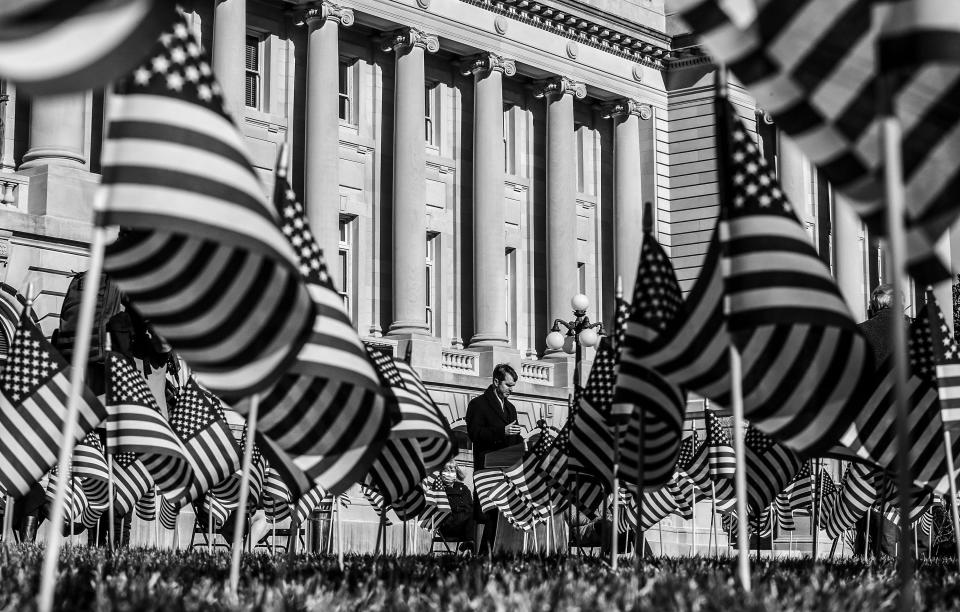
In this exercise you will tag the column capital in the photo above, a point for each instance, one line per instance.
(324, 11)
(559, 86)
(482, 64)
(407, 38)
(624, 107)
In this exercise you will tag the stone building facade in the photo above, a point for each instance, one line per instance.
(469, 165)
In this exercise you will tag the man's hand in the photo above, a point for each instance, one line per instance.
(512, 429)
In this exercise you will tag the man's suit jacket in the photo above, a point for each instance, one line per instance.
(485, 423)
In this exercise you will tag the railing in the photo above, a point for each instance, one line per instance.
(461, 362)
(536, 372)
(12, 191)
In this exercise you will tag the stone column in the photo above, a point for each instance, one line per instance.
(57, 132)
(322, 171)
(790, 163)
(628, 185)
(229, 52)
(409, 180)
(561, 193)
(849, 253)
(489, 242)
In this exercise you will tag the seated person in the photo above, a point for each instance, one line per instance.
(460, 523)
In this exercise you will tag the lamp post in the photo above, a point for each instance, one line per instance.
(580, 332)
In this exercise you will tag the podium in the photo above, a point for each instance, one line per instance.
(505, 457)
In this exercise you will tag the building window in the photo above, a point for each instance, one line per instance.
(431, 114)
(581, 278)
(348, 91)
(510, 291)
(254, 72)
(344, 273)
(433, 239)
(509, 140)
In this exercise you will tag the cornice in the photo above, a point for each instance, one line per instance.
(559, 21)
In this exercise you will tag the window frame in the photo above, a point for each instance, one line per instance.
(348, 73)
(431, 295)
(259, 72)
(345, 265)
(431, 115)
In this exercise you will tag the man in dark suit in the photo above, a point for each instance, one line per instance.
(492, 425)
(878, 329)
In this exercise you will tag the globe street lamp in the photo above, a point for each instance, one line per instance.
(579, 333)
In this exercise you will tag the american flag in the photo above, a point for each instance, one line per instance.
(276, 496)
(541, 491)
(770, 466)
(797, 496)
(146, 507)
(872, 437)
(828, 493)
(201, 255)
(642, 392)
(197, 417)
(419, 443)
(34, 388)
(105, 37)
(377, 502)
(89, 461)
(131, 481)
(411, 504)
(135, 424)
(682, 491)
(591, 437)
(920, 499)
(720, 457)
(438, 506)
(495, 491)
(814, 358)
(332, 401)
(276, 510)
(861, 488)
(818, 78)
(692, 463)
(656, 506)
(946, 356)
(76, 506)
(228, 490)
(217, 512)
(168, 513)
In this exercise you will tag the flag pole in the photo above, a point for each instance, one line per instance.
(814, 524)
(340, 537)
(616, 498)
(713, 536)
(896, 245)
(740, 478)
(8, 519)
(952, 478)
(209, 523)
(81, 350)
(693, 547)
(241, 519)
(866, 539)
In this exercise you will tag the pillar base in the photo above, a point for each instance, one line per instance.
(424, 350)
(400, 328)
(490, 356)
(61, 191)
(488, 339)
(40, 157)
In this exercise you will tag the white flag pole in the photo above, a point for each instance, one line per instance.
(209, 523)
(616, 498)
(340, 536)
(897, 246)
(740, 478)
(81, 350)
(693, 547)
(241, 518)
